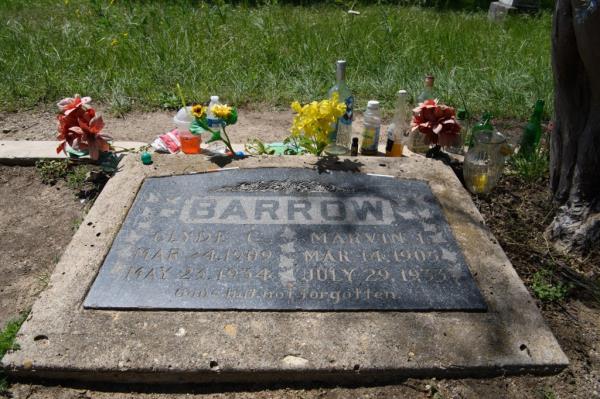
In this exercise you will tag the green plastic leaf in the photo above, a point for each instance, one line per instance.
(233, 117)
(199, 126)
(216, 136)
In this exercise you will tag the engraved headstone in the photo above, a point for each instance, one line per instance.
(527, 5)
(498, 10)
(285, 239)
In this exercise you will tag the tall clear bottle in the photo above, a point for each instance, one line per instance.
(417, 142)
(341, 132)
(398, 132)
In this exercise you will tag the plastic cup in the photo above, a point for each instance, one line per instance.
(183, 119)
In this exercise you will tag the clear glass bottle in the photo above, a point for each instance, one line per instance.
(459, 146)
(398, 131)
(428, 93)
(484, 162)
(372, 126)
(341, 132)
(417, 141)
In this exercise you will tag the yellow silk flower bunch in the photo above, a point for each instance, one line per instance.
(314, 120)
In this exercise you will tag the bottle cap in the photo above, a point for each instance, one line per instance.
(373, 104)
(340, 70)
(402, 93)
(214, 98)
(354, 140)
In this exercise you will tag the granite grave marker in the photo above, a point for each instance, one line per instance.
(285, 239)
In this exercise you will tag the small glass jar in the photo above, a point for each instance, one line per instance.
(417, 142)
(484, 162)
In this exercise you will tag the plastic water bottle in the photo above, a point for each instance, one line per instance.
(372, 126)
(213, 122)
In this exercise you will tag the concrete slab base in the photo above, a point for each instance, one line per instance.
(61, 339)
(25, 152)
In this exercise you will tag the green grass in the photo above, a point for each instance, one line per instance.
(131, 54)
(7, 342)
(532, 169)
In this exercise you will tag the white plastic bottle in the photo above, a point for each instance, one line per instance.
(372, 126)
(213, 122)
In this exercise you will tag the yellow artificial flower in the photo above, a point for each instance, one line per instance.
(198, 111)
(296, 106)
(221, 110)
(315, 119)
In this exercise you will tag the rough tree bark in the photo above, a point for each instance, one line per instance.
(575, 140)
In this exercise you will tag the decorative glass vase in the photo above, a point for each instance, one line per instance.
(484, 162)
(417, 142)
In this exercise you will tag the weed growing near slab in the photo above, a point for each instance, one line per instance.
(546, 289)
(77, 177)
(533, 169)
(133, 53)
(7, 342)
(51, 171)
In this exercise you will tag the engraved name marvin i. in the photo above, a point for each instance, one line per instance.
(355, 242)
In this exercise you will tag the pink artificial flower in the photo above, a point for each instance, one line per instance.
(437, 122)
(69, 104)
(87, 134)
(71, 109)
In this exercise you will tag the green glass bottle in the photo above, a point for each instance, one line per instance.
(485, 124)
(532, 133)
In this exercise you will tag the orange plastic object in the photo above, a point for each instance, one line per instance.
(190, 143)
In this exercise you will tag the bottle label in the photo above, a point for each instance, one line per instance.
(214, 123)
(390, 131)
(370, 139)
(348, 116)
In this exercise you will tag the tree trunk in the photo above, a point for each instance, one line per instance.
(575, 140)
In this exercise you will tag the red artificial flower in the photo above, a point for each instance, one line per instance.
(437, 122)
(79, 126)
(87, 134)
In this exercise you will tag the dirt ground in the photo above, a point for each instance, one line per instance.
(36, 224)
(268, 126)
(137, 126)
(37, 221)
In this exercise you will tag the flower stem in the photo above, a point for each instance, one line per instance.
(227, 141)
